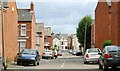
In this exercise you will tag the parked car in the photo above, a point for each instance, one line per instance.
(28, 56)
(91, 55)
(59, 53)
(78, 53)
(70, 51)
(48, 54)
(1, 63)
(110, 57)
(74, 52)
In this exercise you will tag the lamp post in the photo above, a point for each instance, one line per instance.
(85, 37)
(3, 9)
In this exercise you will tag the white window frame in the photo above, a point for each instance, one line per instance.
(23, 27)
(22, 46)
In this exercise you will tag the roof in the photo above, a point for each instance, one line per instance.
(47, 31)
(39, 27)
(24, 15)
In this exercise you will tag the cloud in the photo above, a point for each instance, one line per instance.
(62, 16)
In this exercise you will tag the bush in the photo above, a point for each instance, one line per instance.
(107, 43)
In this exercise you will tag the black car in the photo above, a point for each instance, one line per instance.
(110, 57)
(78, 53)
(28, 56)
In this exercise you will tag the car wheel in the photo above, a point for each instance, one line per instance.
(18, 63)
(100, 66)
(35, 63)
(105, 68)
(114, 67)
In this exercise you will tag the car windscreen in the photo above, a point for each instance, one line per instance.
(93, 51)
(113, 49)
(31, 52)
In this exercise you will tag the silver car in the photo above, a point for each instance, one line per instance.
(110, 57)
(48, 54)
(1, 63)
(91, 55)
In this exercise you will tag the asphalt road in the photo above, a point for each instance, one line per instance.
(67, 62)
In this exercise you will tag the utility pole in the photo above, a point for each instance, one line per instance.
(85, 37)
(3, 9)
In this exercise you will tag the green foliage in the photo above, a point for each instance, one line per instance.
(54, 48)
(81, 30)
(107, 43)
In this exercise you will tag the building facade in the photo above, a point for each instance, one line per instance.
(10, 21)
(26, 28)
(48, 40)
(107, 23)
(40, 37)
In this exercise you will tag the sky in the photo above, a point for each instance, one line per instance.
(61, 15)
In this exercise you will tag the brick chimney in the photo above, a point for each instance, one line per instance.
(31, 6)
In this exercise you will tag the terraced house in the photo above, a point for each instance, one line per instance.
(107, 22)
(8, 21)
(26, 28)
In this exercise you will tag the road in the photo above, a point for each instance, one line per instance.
(62, 63)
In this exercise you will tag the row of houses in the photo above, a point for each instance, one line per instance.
(65, 41)
(19, 30)
(106, 24)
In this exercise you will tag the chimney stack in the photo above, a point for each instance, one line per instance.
(31, 6)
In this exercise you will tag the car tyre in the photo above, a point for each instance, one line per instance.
(18, 63)
(85, 62)
(105, 68)
(35, 63)
(100, 66)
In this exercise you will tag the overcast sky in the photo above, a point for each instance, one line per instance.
(61, 15)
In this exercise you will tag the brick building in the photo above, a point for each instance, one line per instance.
(107, 23)
(26, 28)
(48, 40)
(10, 20)
(40, 37)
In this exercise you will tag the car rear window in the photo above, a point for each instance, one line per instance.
(113, 49)
(93, 51)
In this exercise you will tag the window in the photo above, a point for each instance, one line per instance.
(22, 45)
(23, 29)
(62, 43)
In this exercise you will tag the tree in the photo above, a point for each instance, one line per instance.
(81, 31)
(107, 43)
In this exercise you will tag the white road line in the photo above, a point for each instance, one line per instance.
(64, 63)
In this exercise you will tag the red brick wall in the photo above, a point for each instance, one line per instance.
(10, 31)
(42, 41)
(50, 40)
(33, 32)
(28, 33)
(101, 24)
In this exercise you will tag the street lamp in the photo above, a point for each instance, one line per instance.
(3, 9)
(85, 37)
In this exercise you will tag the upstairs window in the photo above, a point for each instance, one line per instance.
(23, 29)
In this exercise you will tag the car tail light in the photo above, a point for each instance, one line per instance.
(107, 56)
(87, 56)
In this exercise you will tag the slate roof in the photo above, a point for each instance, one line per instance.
(24, 15)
